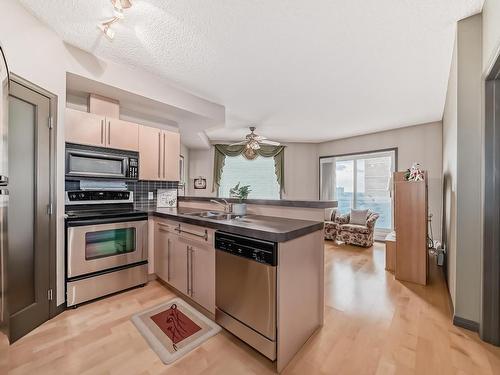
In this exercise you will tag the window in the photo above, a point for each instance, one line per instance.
(259, 173)
(360, 181)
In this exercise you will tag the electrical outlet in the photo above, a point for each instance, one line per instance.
(150, 195)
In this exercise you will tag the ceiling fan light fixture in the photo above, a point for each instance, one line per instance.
(252, 142)
(118, 7)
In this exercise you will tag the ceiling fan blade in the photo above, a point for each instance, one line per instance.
(259, 138)
(238, 143)
(270, 143)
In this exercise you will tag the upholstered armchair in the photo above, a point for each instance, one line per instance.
(355, 234)
(331, 226)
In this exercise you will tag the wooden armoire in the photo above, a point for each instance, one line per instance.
(410, 214)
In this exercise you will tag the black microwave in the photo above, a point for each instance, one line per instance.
(98, 162)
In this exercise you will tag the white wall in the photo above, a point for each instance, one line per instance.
(38, 55)
(421, 143)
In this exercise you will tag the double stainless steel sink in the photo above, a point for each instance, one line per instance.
(214, 215)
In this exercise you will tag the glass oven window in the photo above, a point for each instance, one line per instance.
(92, 165)
(108, 243)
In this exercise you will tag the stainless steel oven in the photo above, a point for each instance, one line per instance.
(97, 162)
(99, 245)
(106, 244)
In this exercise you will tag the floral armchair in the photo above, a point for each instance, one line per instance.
(331, 226)
(353, 234)
(340, 229)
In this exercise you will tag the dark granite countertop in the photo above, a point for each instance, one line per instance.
(269, 228)
(268, 202)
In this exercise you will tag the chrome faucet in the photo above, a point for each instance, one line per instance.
(228, 207)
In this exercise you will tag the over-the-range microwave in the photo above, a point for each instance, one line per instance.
(98, 162)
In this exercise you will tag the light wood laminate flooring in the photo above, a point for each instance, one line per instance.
(373, 325)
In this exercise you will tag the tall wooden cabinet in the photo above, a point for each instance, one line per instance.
(410, 203)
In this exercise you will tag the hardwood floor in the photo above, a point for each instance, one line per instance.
(373, 325)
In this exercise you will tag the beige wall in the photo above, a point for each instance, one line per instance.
(301, 171)
(450, 175)
(469, 163)
(462, 165)
(421, 143)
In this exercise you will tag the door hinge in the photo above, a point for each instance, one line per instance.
(49, 209)
(51, 122)
(50, 295)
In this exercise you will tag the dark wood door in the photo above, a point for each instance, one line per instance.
(28, 214)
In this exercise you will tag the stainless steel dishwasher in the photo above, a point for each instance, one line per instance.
(245, 289)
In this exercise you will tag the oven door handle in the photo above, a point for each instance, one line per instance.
(79, 223)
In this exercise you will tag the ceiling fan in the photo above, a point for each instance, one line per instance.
(253, 141)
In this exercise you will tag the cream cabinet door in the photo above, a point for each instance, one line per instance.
(202, 275)
(162, 248)
(178, 271)
(84, 128)
(150, 153)
(171, 155)
(122, 135)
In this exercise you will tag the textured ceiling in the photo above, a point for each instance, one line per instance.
(300, 70)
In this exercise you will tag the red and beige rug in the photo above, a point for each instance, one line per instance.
(174, 328)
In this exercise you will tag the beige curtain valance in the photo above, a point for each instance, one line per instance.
(276, 152)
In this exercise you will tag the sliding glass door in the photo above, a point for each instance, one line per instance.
(360, 181)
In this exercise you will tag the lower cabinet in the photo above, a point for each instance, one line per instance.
(201, 280)
(186, 261)
(179, 268)
(163, 249)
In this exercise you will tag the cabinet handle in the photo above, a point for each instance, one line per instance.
(163, 155)
(102, 131)
(159, 153)
(191, 270)
(204, 236)
(168, 259)
(187, 272)
(109, 132)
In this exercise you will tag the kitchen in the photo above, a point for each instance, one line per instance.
(116, 238)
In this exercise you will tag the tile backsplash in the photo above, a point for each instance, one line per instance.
(140, 189)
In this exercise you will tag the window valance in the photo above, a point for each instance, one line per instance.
(266, 151)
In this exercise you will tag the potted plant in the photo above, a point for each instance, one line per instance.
(241, 193)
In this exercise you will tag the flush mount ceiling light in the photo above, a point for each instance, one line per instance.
(118, 6)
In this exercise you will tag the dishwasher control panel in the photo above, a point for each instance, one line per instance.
(258, 250)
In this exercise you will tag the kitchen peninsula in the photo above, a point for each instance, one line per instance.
(259, 276)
